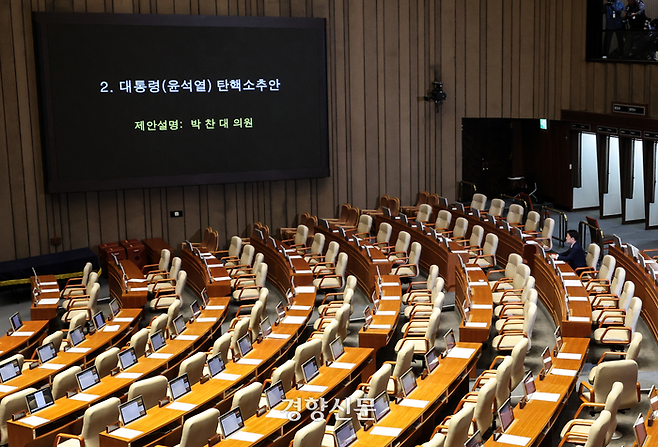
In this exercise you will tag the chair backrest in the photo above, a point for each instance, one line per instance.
(431, 276)
(56, 338)
(593, 254)
(78, 319)
(261, 275)
(350, 283)
(458, 427)
(343, 318)
(175, 267)
(365, 224)
(414, 253)
(198, 429)
(403, 361)
(181, 280)
(530, 311)
(139, 341)
(504, 379)
(301, 234)
(618, 280)
(437, 297)
(9, 405)
(304, 352)
(93, 279)
(379, 380)
(443, 220)
(332, 252)
(612, 405)
(515, 214)
(328, 335)
(65, 381)
(483, 414)
(310, 435)
(518, 362)
(394, 206)
(349, 408)
(85, 273)
(159, 324)
(532, 221)
(424, 212)
(240, 329)
(633, 351)
(384, 233)
(547, 232)
(255, 319)
(627, 293)
(598, 431)
(152, 390)
(262, 299)
(247, 255)
(165, 256)
(258, 260)
(607, 267)
(193, 366)
(172, 312)
(633, 314)
(513, 260)
(433, 326)
(92, 302)
(520, 276)
(460, 229)
(318, 244)
(107, 361)
(247, 399)
(286, 374)
(222, 345)
(341, 266)
(479, 201)
(624, 371)
(235, 247)
(97, 418)
(344, 209)
(497, 207)
(476, 236)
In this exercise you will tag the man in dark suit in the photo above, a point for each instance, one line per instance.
(575, 255)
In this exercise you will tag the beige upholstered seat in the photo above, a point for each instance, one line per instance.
(299, 241)
(378, 382)
(424, 213)
(613, 289)
(428, 295)
(245, 291)
(327, 335)
(304, 352)
(532, 222)
(620, 334)
(329, 308)
(410, 267)
(193, 367)
(512, 331)
(159, 323)
(398, 252)
(221, 346)
(456, 433)
(13, 403)
(82, 304)
(483, 405)
(487, 256)
(95, 420)
(591, 259)
(65, 381)
(240, 329)
(166, 280)
(474, 242)
(335, 278)
(79, 292)
(383, 235)
(364, 227)
(425, 286)
(596, 435)
(624, 371)
(198, 429)
(632, 353)
(511, 291)
(247, 261)
(316, 247)
(247, 399)
(56, 339)
(153, 270)
(152, 390)
(496, 208)
(513, 260)
(423, 342)
(139, 341)
(443, 221)
(310, 435)
(546, 236)
(347, 409)
(602, 276)
(321, 264)
(231, 256)
(107, 361)
(79, 319)
(515, 214)
(459, 230)
(418, 309)
(78, 284)
(172, 312)
(419, 317)
(478, 202)
(400, 366)
(165, 296)
(514, 309)
(342, 317)
(286, 374)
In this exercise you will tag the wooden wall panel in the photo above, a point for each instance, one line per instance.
(500, 58)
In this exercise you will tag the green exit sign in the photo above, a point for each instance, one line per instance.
(543, 124)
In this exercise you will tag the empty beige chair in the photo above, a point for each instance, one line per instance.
(327, 335)
(620, 334)
(474, 242)
(410, 268)
(400, 366)
(486, 257)
(503, 376)
(508, 337)
(159, 323)
(328, 260)
(304, 352)
(221, 346)
(632, 353)
(513, 260)
(249, 262)
(511, 291)
(424, 213)
(596, 435)
(139, 342)
(247, 399)
(613, 289)
(79, 319)
(316, 247)
(56, 339)
(167, 280)
(427, 296)
(75, 292)
(582, 426)
(378, 382)
(624, 371)
(153, 270)
(532, 222)
(497, 207)
(329, 308)
(96, 419)
(418, 323)
(172, 312)
(19, 358)
(83, 304)
(77, 284)
(546, 236)
(484, 405)
(348, 409)
(255, 317)
(478, 202)
(193, 367)
(383, 236)
(299, 241)
(422, 286)
(443, 221)
(335, 277)
(239, 331)
(424, 309)
(286, 374)
(198, 429)
(107, 361)
(152, 390)
(515, 214)
(602, 276)
(65, 381)
(591, 259)
(514, 309)
(456, 431)
(10, 404)
(422, 343)
(459, 230)
(231, 256)
(166, 296)
(399, 251)
(310, 435)
(364, 227)
(247, 291)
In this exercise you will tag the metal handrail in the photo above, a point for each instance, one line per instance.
(560, 223)
(461, 189)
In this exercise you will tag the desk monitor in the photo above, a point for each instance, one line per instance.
(260, 234)
(9, 370)
(216, 364)
(529, 384)
(205, 297)
(558, 339)
(265, 327)
(518, 232)
(492, 219)
(40, 399)
(434, 234)
(505, 225)
(99, 320)
(337, 348)
(381, 406)
(77, 336)
(506, 415)
(179, 386)
(404, 219)
(179, 325)
(310, 369)
(196, 309)
(449, 338)
(653, 401)
(420, 226)
(367, 314)
(324, 223)
(408, 381)
(275, 394)
(157, 341)
(115, 308)
(132, 410)
(36, 277)
(467, 314)
(459, 206)
(87, 378)
(127, 358)
(387, 211)
(46, 352)
(431, 360)
(640, 431)
(281, 310)
(272, 242)
(341, 231)
(244, 344)
(231, 422)
(475, 440)
(547, 360)
(345, 434)
(16, 322)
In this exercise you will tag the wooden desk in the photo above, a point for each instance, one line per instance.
(537, 418)
(279, 272)
(46, 290)
(358, 263)
(385, 321)
(477, 328)
(35, 332)
(198, 278)
(130, 291)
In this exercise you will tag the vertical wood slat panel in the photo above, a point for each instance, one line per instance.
(446, 14)
(371, 104)
(391, 143)
(404, 124)
(357, 162)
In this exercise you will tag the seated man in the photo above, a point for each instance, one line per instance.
(575, 255)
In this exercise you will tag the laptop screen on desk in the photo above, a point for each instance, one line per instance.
(281, 310)
(114, 307)
(475, 440)
(558, 338)
(547, 360)
(99, 320)
(77, 336)
(653, 400)
(196, 310)
(231, 422)
(46, 352)
(336, 348)
(640, 431)
(275, 394)
(9, 370)
(529, 384)
(345, 434)
(40, 399)
(179, 324)
(157, 341)
(216, 364)
(381, 406)
(132, 410)
(310, 369)
(449, 339)
(408, 382)
(506, 414)
(16, 322)
(179, 386)
(87, 378)
(431, 360)
(265, 327)
(244, 344)
(127, 358)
